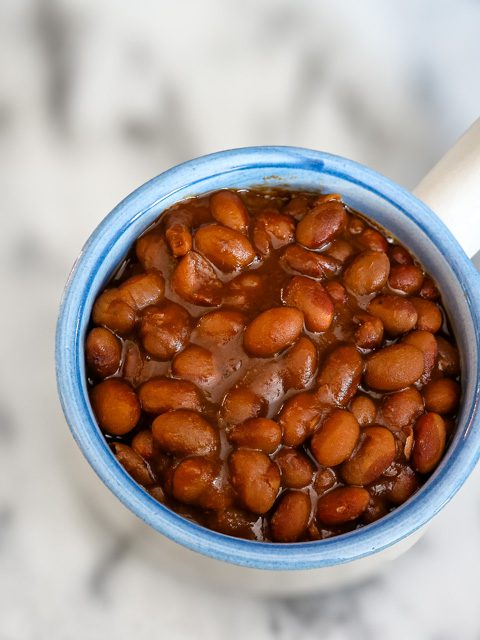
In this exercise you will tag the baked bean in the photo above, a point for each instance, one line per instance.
(158, 395)
(300, 364)
(192, 479)
(299, 417)
(406, 278)
(256, 433)
(152, 253)
(111, 311)
(427, 343)
(400, 255)
(336, 291)
(233, 522)
(310, 297)
(364, 410)
(442, 395)
(133, 363)
(336, 439)
(103, 351)
(255, 478)
(429, 291)
(309, 263)
(196, 364)
(164, 329)
(429, 315)
(142, 443)
(376, 452)
(195, 281)
(179, 239)
(355, 226)
(324, 480)
(370, 331)
(227, 249)
(272, 331)
(377, 508)
(241, 404)
(290, 519)
(296, 207)
(394, 367)
(402, 408)
(274, 228)
(221, 326)
(448, 357)
(340, 250)
(266, 381)
(116, 406)
(158, 493)
(143, 290)
(340, 375)
(430, 438)
(228, 209)
(321, 224)
(245, 291)
(373, 240)
(397, 314)
(342, 505)
(133, 464)
(403, 485)
(184, 433)
(296, 469)
(367, 273)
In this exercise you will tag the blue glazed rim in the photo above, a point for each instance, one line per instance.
(440, 488)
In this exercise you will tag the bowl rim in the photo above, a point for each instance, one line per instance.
(387, 531)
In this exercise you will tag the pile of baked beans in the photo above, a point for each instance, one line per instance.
(272, 366)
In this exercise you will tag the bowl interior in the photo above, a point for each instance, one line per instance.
(411, 222)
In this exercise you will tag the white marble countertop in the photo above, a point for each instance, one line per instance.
(95, 98)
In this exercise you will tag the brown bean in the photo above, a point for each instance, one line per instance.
(272, 331)
(367, 273)
(227, 208)
(429, 315)
(342, 505)
(241, 404)
(195, 280)
(370, 331)
(336, 439)
(324, 480)
(111, 311)
(116, 406)
(226, 248)
(273, 229)
(309, 263)
(192, 479)
(256, 433)
(429, 290)
(256, 479)
(400, 255)
(142, 443)
(376, 452)
(300, 364)
(364, 410)
(397, 314)
(290, 519)
(299, 417)
(377, 508)
(430, 438)
(394, 367)
(133, 464)
(103, 351)
(336, 291)
(340, 250)
(402, 408)
(448, 357)
(133, 363)
(143, 290)
(427, 343)
(403, 485)
(221, 326)
(321, 224)
(355, 226)
(245, 291)
(196, 364)
(233, 522)
(340, 375)
(152, 252)
(266, 380)
(296, 469)
(296, 207)
(179, 239)
(442, 395)
(373, 240)
(165, 329)
(406, 278)
(158, 493)
(311, 298)
(158, 395)
(184, 433)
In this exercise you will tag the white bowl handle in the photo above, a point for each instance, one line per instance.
(452, 189)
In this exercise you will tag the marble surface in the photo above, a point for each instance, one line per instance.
(95, 98)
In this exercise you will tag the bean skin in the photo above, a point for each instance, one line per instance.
(448, 357)
(241, 404)
(364, 410)
(309, 263)
(442, 395)
(430, 438)
(399, 255)
(402, 408)
(113, 312)
(296, 469)
(370, 331)
(342, 505)
(103, 352)
(221, 326)
(195, 280)
(397, 314)
(299, 417)
(290, 518)
(158, 395)
(165, 329)
(311, 298)
(376, 452)
(429, 291)
(394, 367)
(134, 464)
(256, 433)
(256, 479)
(196, 364)
(336, 439)
(321, 224)
(373, 240)
(367, 273)
(143, 290)
(227, 249)
(179, 239)
(273, 230)
(336, 291)
(407, 278)
(300, 364)
(227, 208)
(429, 315)
(340, 375)
(184, 433)
(116, 406)
(272, 331)
(142, 443)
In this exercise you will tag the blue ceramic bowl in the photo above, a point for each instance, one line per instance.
(394, 208)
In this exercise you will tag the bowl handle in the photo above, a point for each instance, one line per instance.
(452, 189)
